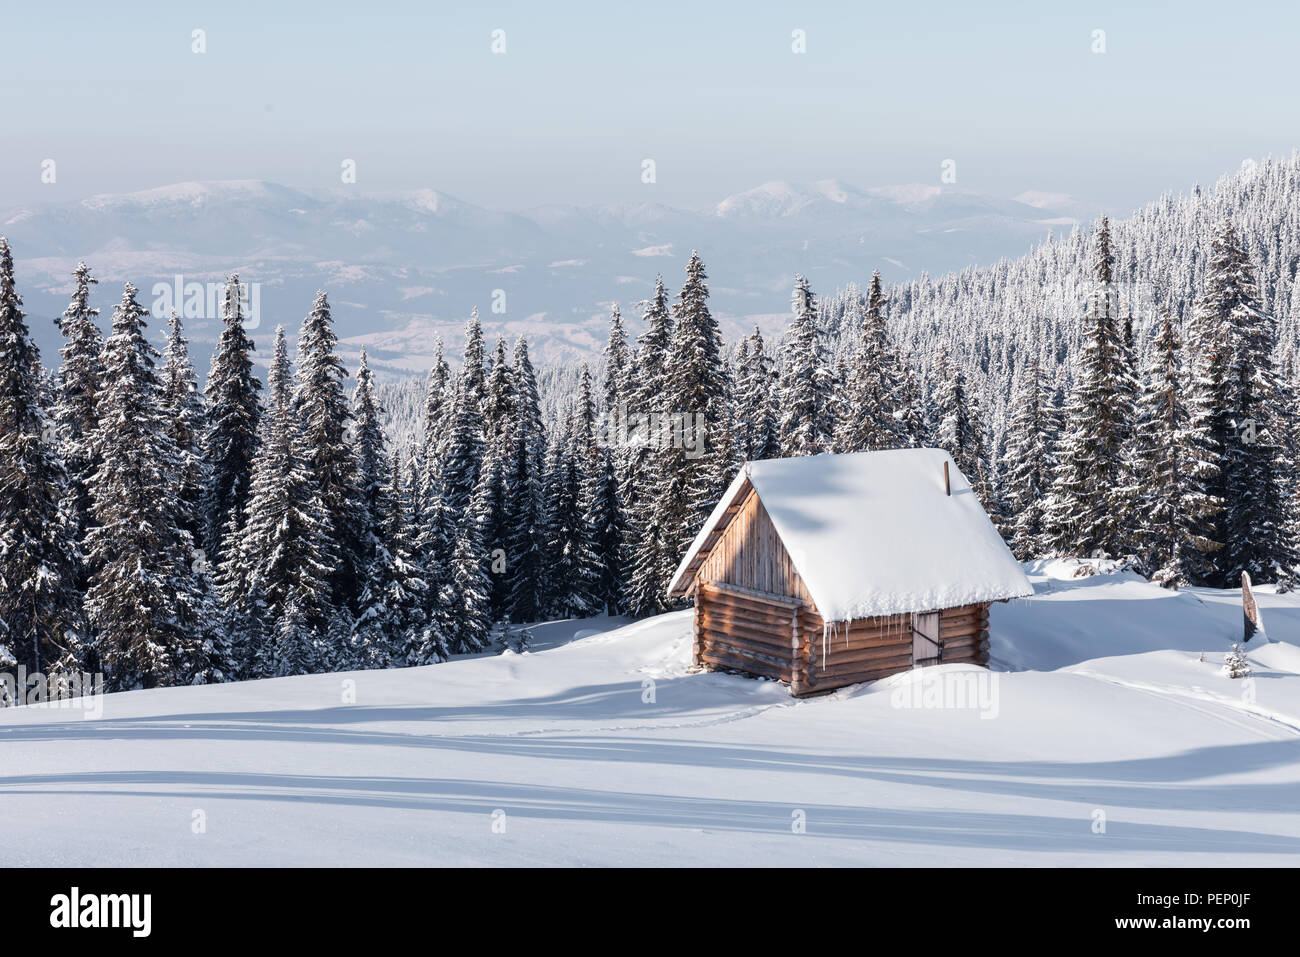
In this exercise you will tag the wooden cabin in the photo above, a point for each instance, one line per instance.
(828, 570)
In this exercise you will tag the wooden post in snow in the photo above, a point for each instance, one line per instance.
(947, 485)
(1249, 610)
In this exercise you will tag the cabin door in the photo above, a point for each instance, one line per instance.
(926, 647)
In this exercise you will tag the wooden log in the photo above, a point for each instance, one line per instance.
(740, 630)
(966, 621)
(757, 612)
(973, 638)
(777, 624)
(831, 682)
(772, 655)
(740, 635)
(885, 666)
(831, 647)
(747, 665)
(770, 598)
(754, 613)
(841, 656)
(868, 627)
(743, 639)
(965, 631)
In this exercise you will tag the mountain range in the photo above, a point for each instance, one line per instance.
(404, 268)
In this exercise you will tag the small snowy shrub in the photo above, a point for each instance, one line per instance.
(1236, 664)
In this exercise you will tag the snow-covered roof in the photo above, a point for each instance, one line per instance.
(872, 533)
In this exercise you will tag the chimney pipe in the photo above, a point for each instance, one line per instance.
(947, 485)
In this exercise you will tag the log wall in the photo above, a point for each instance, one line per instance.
(871, 648)
(757, 634)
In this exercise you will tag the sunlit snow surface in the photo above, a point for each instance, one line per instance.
(604, 750)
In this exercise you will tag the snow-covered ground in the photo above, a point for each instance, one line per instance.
(1101, 739)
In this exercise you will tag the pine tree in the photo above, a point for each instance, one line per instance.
(145, 601)
(867, 419)
(499, 408)
(435, 545)
(640, 477)
(1027, 464)
(376, 637)
(960, 424)
(287, 551)
(1089, 512)
(417, 641)
(470, 578)
(230, 440)
(652, 349)
(526, 517)
(594, 512)
(697, 386)
(325, 418)
(569, 562)
(618, 366)
(604, 519)
(183, 409)
(756, 407)
(657, 552)
(807, 399)
(41, 623)
(437, 405)
(1172, 470)
(75, 418)
(1238, 387)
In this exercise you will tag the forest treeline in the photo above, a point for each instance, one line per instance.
(164, 534)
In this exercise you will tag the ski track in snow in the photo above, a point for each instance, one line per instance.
(1187, 698)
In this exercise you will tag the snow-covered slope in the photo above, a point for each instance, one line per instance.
(601, 749)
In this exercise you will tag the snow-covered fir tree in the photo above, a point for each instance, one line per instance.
(324, 418)
(1089, 512)
(1239, 388)
(869, 418)
(696, 388)
(1172, 470)
(1027, 464)
(959, 423)
(755, 400)
(183, 408)
(377, 636)
(527, 532)
(146, 601)
(80, 375)
(286, 551)
(40, 621)
(230, 439)
(807, 419)
(437, 404)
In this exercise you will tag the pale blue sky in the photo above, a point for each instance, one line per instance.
(710, 90)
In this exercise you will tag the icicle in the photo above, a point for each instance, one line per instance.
(826, 627)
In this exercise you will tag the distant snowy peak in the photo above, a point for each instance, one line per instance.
(780, 199)
(783, 200)
(189, 194)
